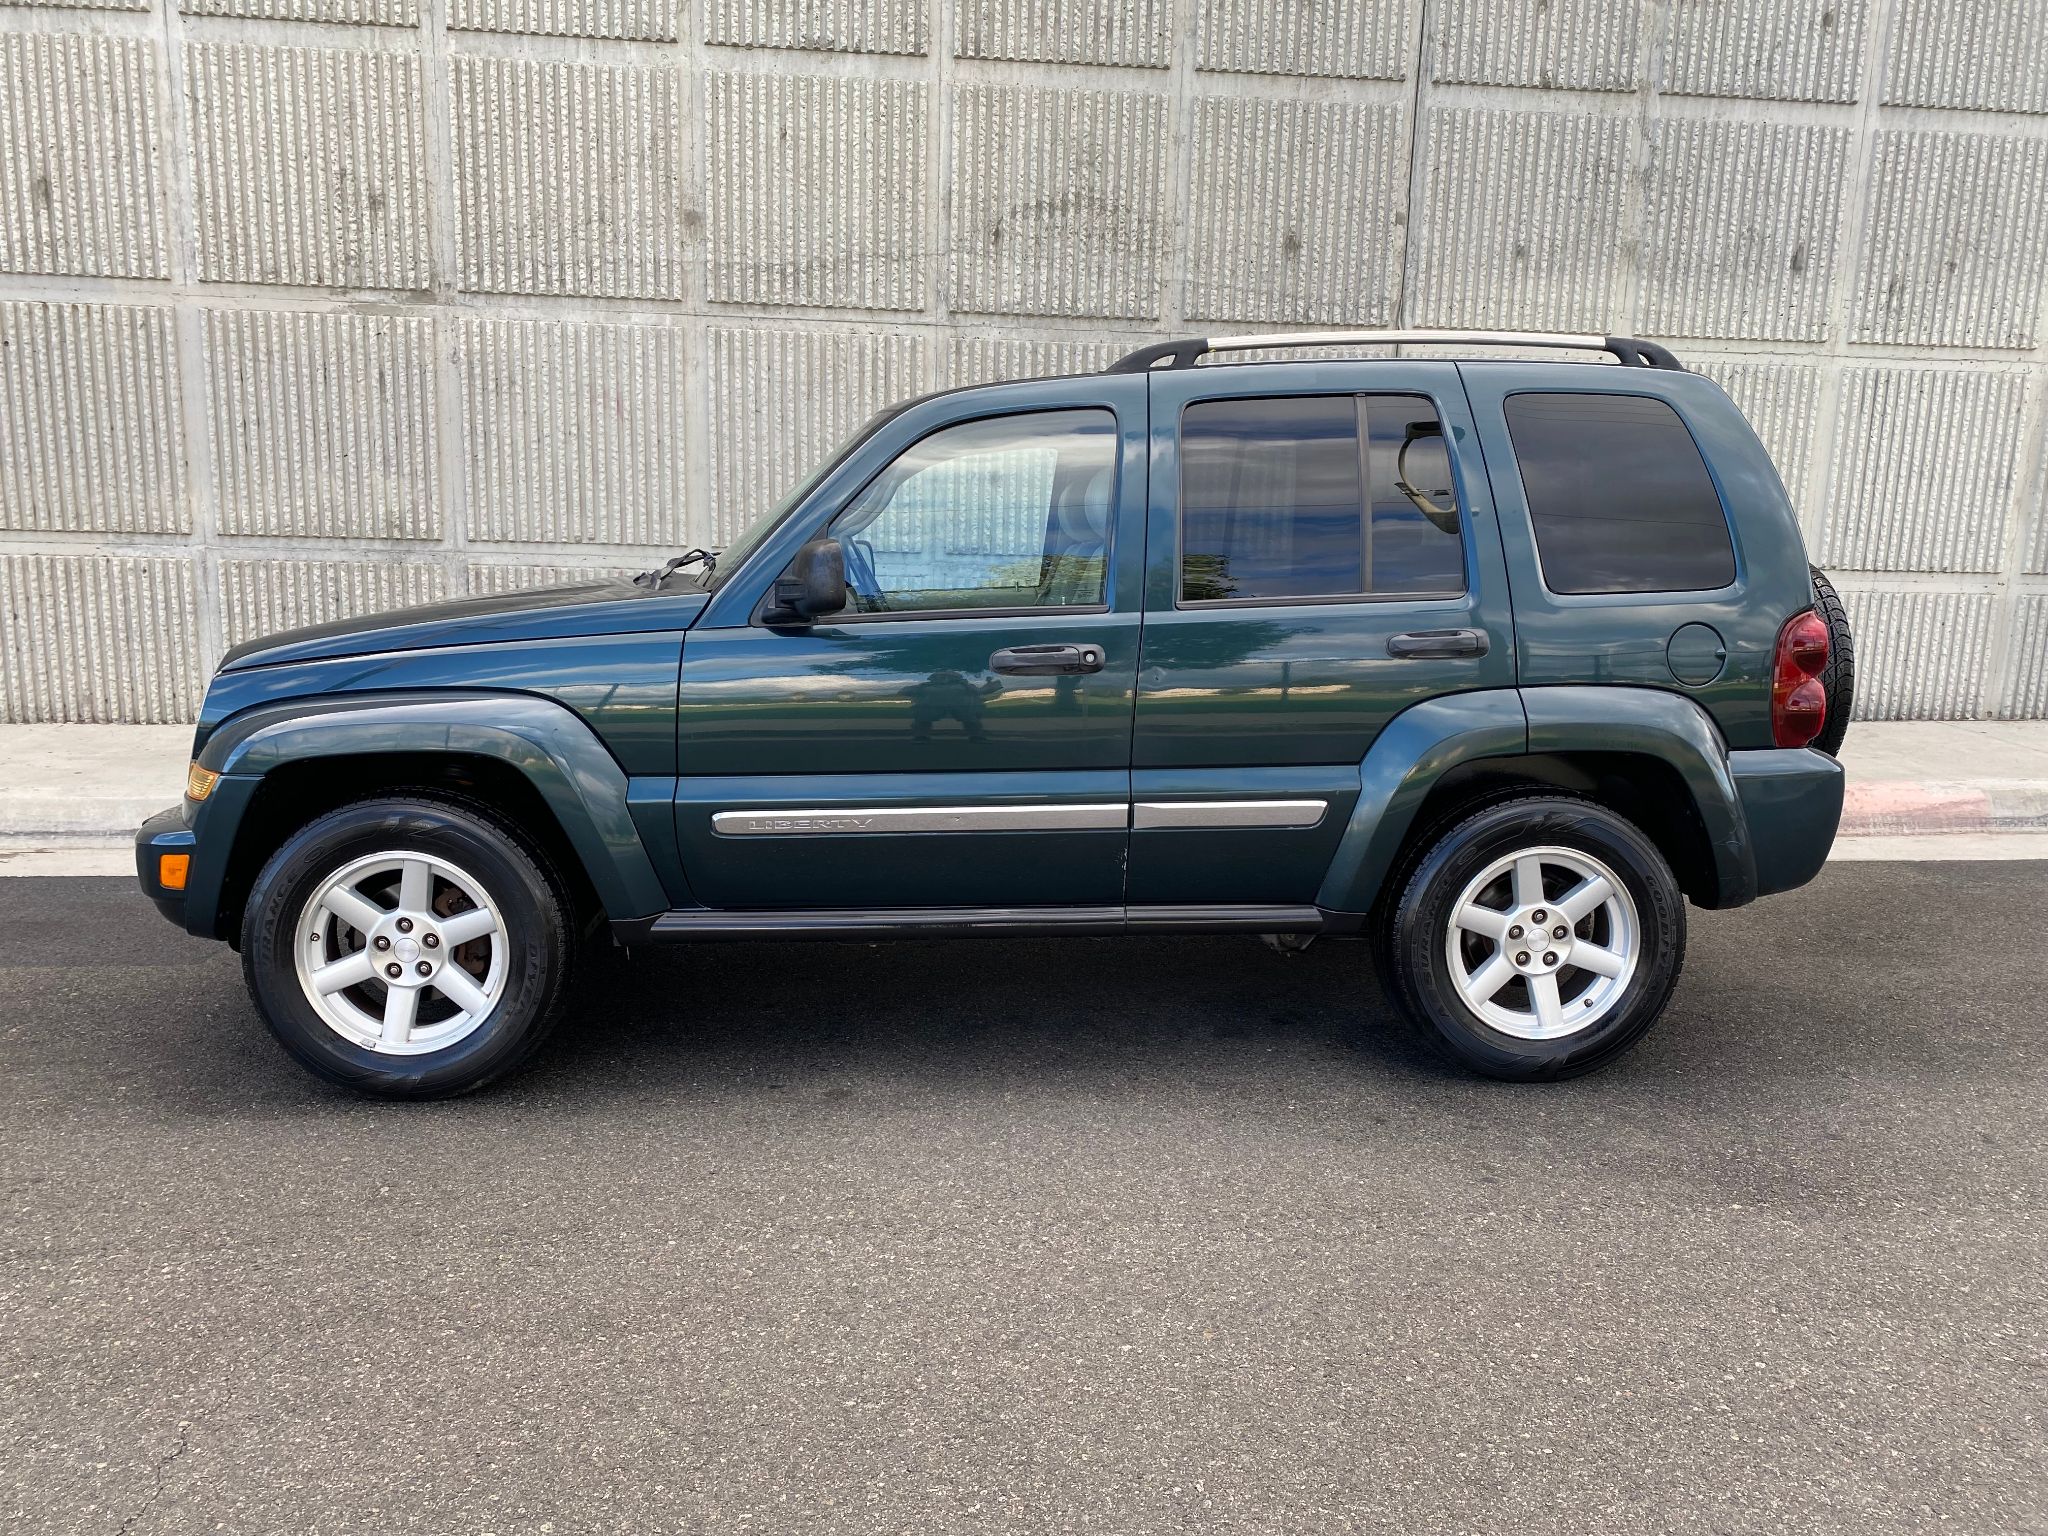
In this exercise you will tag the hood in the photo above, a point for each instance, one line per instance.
(543, 613)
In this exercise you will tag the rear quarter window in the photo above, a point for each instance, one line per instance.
(1618, 495)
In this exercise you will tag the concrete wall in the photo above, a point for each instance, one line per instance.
(311, 306)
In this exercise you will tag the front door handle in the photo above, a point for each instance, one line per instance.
(1428, 644)
(1047, 660)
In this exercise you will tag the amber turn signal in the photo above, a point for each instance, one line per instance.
(199, 782)
(171, 869)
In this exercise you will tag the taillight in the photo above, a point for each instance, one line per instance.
(1799, 705)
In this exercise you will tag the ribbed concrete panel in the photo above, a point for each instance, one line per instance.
(818, 191)
(841, 26)
(1920, 655)
(1538, 250)
(261, 597)
(488, 578)
(88, 5)
(1986, 55)
(88, 421)
(357, 13)
(1926, 466)
(98, 639)
(1953, 255)
(782, 399)
(322, 425)
(1296, 211)
(79, 176)
(2027, 697)
(566, 178)
(1371, 40)
(1065, 31)
(983, 359)
(310, 165)
(1741, 228)
(1780, 400)
(1058, 208)
(653, 20)
(573, 431)
(1781, 50)
(1585, 45)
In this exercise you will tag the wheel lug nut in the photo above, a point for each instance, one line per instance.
(1540, 916)
(1550, 957)
(424, 969)
(1522, 958)
(383, 941)
(405, 924)
(1559, 931)
(1515, 932)
(433, 940)
(394, 971)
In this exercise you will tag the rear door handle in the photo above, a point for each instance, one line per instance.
(1047, 660)
(1426, 644)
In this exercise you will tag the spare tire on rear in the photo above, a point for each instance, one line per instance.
(1838, 678)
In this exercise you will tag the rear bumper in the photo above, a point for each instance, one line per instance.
(165, 832)
(1791, 806)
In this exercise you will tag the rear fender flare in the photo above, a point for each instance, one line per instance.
(1419, 746)
(1415, 749)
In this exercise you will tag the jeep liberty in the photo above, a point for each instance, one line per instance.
(1495, 664)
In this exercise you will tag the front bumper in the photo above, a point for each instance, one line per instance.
(165, 832)
(1791, 806)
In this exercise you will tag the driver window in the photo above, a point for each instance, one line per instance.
(1005, 512)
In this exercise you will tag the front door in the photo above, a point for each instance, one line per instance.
(959, 735)
(1322, 554)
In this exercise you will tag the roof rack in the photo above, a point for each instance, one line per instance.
(1626, 350)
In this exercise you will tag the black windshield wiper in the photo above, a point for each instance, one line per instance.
(707, 557)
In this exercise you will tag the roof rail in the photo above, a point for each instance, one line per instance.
(1626, 350)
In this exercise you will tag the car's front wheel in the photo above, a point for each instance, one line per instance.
(408, 947)
(1539, 937)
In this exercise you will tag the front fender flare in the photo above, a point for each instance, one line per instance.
(545, 742)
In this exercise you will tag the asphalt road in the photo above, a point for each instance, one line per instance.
(1089, 1235)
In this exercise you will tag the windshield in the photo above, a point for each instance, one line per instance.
(735, 554)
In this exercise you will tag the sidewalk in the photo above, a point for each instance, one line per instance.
(72, 794)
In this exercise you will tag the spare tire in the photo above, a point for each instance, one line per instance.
(1838, 678)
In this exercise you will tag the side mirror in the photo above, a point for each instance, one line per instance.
(814, 584)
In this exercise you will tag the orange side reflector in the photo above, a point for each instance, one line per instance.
(199, 782)
(170, 870)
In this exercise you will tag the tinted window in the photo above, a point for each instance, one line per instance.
(1008, 512)
(1277, 501)
(1619, 495)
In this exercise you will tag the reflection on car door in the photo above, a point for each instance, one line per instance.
(959, 735)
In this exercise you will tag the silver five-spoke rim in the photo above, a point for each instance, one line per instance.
(1543, 943)
(401, 953)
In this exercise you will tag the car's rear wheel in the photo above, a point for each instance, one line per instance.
(1539, 937)
(1838, 677)
(413, 948)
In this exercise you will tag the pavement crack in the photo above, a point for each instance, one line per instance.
(157, 1471)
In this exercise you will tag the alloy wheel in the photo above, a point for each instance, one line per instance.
(401, 953)
(1542, 943)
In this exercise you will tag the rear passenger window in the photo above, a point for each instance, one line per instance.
(1619, 496)
(1280, 501)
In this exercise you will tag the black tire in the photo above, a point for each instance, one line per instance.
(1419, 921)
(531, 899)
(1838, 678)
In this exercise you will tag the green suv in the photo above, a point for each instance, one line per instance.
(1496, 664)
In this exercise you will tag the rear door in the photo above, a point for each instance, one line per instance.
(1321, 554)
(960, 734)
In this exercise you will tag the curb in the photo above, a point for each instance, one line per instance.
(1907, 807)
